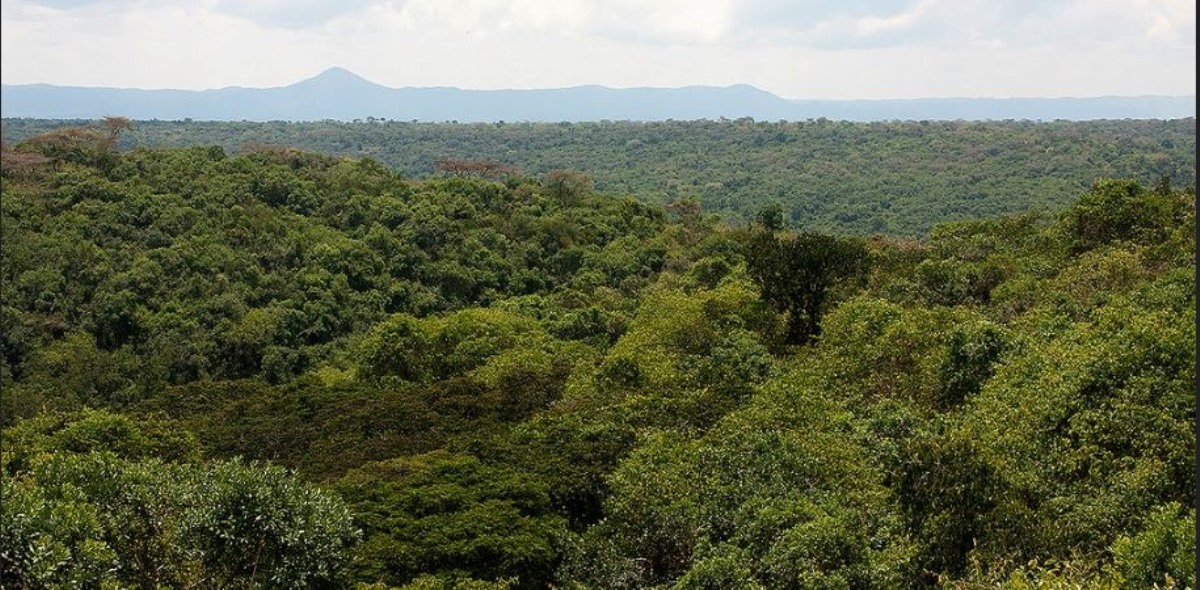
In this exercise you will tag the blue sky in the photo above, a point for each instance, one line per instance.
(797, 49)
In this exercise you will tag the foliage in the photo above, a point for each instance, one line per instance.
(96, 431)
(451, 515)
(528, 383)
(97, 520)
(890, 177)
(796, 273)
(1164, 552)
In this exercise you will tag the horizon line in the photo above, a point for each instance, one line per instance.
(338, 70)
(619, 88)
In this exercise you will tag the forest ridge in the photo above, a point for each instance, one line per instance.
(896, 178)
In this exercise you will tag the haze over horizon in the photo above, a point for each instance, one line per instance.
(343, 73)
(339, 94)
(819, 50)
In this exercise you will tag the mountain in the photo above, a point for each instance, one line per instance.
(342, 95)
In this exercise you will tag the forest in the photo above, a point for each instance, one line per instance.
(269, 367)
(894, 177)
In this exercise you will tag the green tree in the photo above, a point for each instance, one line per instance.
(96, 520)
(451, 515)
(797, 272)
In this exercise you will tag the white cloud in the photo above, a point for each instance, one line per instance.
(1170, 20)
(872, 25)
(291, 14)
(816, 49)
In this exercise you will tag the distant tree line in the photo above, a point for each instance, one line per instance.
(894, 178)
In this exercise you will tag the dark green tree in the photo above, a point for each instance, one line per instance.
(796, 272)
(770, 217)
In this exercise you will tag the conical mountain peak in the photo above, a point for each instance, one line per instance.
(337, 77)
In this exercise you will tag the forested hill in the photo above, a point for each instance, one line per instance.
(898, 178)
(278, 369)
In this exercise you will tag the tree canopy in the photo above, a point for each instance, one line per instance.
(275, 368)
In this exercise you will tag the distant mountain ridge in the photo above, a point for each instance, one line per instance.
(339, 94)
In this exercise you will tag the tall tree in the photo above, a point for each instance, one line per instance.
(796, 271)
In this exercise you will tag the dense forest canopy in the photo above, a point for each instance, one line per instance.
(274, 368)
(895, 178)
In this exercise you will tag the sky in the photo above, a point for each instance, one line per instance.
(807, 49)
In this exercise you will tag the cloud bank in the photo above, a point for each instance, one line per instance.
(813, 49)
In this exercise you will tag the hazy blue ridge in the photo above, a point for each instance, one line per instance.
(341, 95)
